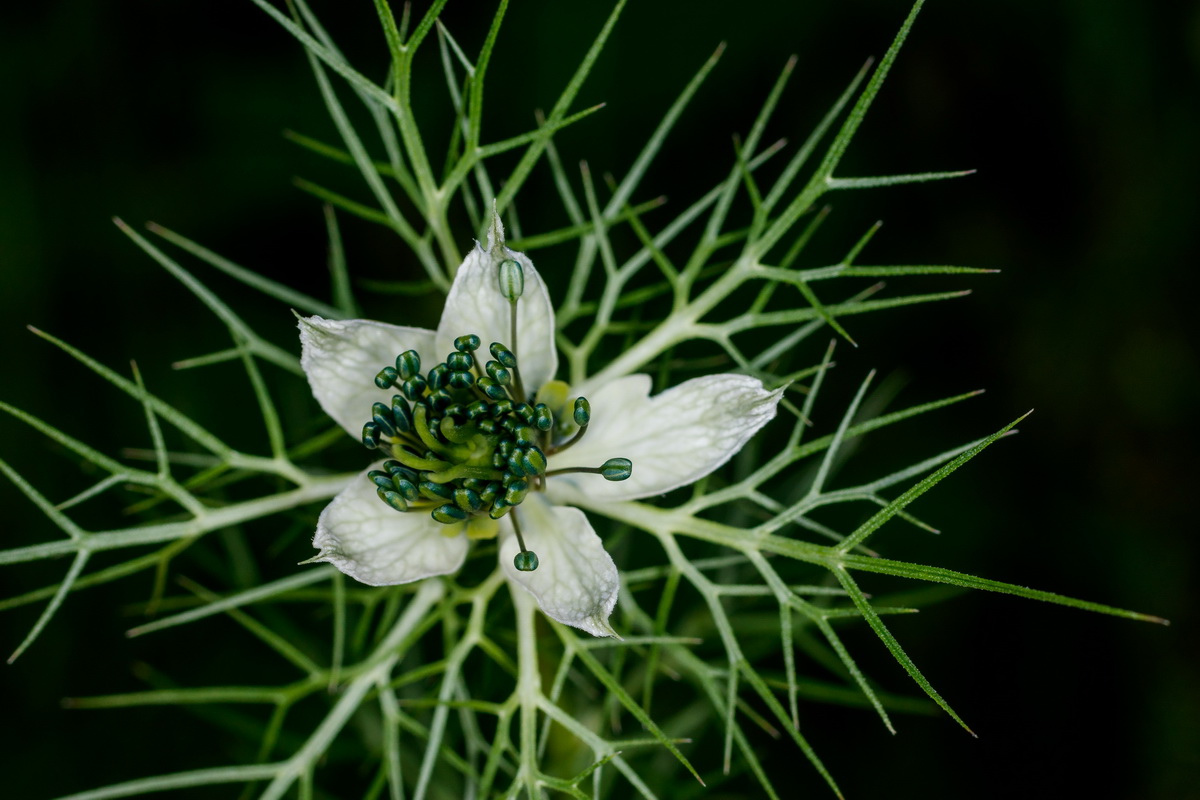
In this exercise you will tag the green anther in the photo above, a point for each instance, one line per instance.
(407, 489)
(414, 388)
(436, 491)
(461, 380)
(526, 435)
(510, 424)
(525, 412)
(526, 561)
(438, 376)
(395, 468)
(542, 417)
(370, 435)
(506, 447)
(460, 362)
(439, 401)
(486, 425)
(492, 389)
(516, 492)
(514, 465)
(402, 414)
(616, 469)
(533, 461)
(479, 408)
(386, 377)
(380, 479)
(498, 373)
(490, 492)
(474, 484)
(503, 355)
(408, 364)
(583, 411)
(448, 514)
(467, 500)
(501, 408)
(499, 508)
(508, 479)
(393, 499)
(467, 344)
(512, 279)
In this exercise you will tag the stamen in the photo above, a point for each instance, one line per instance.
(465, 442)
(526, 560)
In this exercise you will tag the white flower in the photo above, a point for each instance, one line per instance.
(671, 439)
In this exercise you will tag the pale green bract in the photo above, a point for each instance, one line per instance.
(673, 439)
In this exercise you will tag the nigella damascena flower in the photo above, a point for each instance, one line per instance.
(477, 447)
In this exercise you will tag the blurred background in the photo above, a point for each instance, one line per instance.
(1082, 120)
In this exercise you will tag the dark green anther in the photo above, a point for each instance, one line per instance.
(499, 508)
(461, 380)
(438, 377)
(506, 447)
(512, 279)
(395, 468)
(583, 411)
(467, 500)
(414, 388)
(533, 461)
(381, 479)
(616, 469)
(525, 412)
(501, 408)
(526, 561)
(408, 364)
(448, 514)
(514, 465)
(393, 499)
(490, 492)
(474, 484)
(455, 410)
(510, 424)
(386, 377)
(467, 344)
(402, 414)
(478, 409)
(436, 491)
(498, 373)
(502, 354)
(516, 492)
(460, 361)
(486, 425)
(492, 389)
(370, 435)
(508, 479)
(407, 489)
(439, 401)
(526, 435)
(542, 417)
(499, 461)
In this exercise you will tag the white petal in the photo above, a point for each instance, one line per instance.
(576, 581)
(475, 305)
(673, 439)
(342, 357)
(373, 543)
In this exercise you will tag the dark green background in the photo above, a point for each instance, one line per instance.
(1082, 120)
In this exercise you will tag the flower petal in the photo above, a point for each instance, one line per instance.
(375, 544)
(576, 580)
(673, 439)
(342, 357)
(475, 305)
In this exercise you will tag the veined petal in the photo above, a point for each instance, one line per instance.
(475, 305)
(576, 580)
(379, 546)
(342, 357)
(673, 439)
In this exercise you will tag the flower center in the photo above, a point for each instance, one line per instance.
(465, 442)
